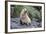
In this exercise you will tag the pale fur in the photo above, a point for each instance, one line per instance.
(27, 19)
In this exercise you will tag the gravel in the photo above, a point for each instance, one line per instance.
(15, 24)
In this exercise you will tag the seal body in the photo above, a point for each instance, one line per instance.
(24, 18)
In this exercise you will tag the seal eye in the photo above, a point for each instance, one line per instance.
(25, 12)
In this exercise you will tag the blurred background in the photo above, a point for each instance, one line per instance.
(34, 12)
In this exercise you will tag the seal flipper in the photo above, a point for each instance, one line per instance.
(21, 22)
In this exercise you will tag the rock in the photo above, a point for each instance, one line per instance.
(15, 24)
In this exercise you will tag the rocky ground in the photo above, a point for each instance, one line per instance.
(15, 24)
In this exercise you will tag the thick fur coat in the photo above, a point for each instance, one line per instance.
(24, 18)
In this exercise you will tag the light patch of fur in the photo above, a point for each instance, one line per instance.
(24, 18)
